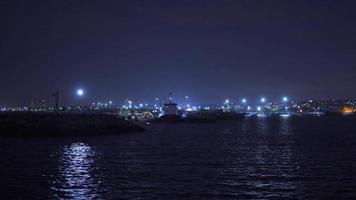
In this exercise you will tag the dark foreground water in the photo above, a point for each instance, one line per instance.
(255, 158)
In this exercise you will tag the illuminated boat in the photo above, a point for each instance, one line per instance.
(169, 112)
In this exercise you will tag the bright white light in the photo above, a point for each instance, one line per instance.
(248, 107)
(186, 97)
(244, 100)
(285, 99)
(110, 102)
(80, 92)
(285, 115)
(227, 101)
(263, 99)
(141, 105)
(259, 108)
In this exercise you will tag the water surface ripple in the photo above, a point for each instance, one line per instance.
(254, 158)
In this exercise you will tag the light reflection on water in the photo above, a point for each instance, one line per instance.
(285, 126)
(76, 179)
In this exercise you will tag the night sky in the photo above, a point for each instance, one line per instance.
(208, 50)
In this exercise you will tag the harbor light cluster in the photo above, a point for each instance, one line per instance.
(263, 106)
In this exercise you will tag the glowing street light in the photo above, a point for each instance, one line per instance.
(80, 92)
(285, 99)
(227, 101)
(244, 100)
(263, 100)
(130, 103)
(259, 108)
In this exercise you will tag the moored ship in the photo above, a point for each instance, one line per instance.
(169, 112)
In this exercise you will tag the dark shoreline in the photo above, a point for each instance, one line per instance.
(63, 124)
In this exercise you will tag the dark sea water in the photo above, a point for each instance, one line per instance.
(254, 158)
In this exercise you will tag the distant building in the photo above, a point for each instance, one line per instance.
(38, 105)
(43, 104)
(57, 102)
(34, 103)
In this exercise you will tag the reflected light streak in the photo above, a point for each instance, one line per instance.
(75, 168)
(285, 115)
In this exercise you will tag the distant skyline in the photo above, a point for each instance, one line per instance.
(208, 50)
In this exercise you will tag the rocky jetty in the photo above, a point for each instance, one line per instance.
(63, 124)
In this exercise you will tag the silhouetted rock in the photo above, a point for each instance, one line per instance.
(68, 124)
